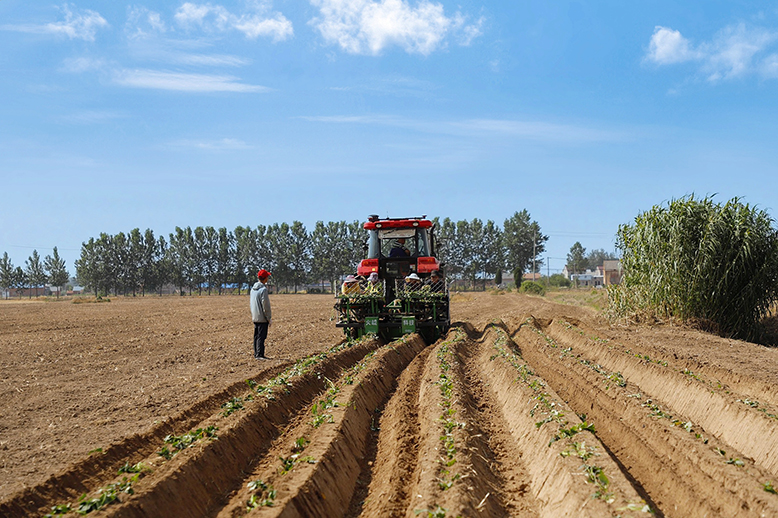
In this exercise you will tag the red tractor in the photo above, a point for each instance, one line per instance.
(399, 288)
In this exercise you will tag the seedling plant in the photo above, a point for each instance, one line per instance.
(181, 442)
(447, 479)
(264, 497)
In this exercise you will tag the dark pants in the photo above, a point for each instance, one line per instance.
(260, 333)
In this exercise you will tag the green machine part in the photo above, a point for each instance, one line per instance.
(371, 325)
(408, 324)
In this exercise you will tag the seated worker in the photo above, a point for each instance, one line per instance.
(399, 249)
(413, 283)
(374, 286)
(436, 283)
(350, 286)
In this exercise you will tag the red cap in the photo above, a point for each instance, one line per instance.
(263, 274)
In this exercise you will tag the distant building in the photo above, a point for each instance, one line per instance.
(36, 291)
(612, 272)
(590, 278)
(531, 276)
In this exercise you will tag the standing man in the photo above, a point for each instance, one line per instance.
(260, 313)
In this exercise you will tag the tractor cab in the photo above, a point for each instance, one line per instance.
(397, 248)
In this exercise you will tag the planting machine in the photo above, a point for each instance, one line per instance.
(406, 292)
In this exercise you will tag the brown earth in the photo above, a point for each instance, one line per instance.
(526, 408)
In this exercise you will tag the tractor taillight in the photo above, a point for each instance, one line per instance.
(427, 264)
(367, 266)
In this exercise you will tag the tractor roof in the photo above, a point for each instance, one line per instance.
(374, 223)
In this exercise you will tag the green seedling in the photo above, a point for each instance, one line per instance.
(768, 486)
(321, 419)
(570, 432)
(182, 442)
(438, 512)
(579, 450)
(288, 463)
(642, 507)
(134, 468)
(59, 510)
(736, 462)
(232, 405)
(596, 475)
(618, 379)
(299, 444)
(264, 498)
(106, 496)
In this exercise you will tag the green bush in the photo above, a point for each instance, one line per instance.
(696, 260)
(558, 280)
(532, 287)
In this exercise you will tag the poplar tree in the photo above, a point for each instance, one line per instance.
(34, 272)
(55, 268)
(6, 272)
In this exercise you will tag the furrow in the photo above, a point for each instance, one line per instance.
(198, 479)
(319, 478)
(570, 472)
(724, 415)
(101, 467)
(681, 469)
(390, 493)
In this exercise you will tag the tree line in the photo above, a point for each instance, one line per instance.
(208, 259)
(35, 274)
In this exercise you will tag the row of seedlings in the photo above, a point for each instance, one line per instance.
(559, 445)
(635, 430)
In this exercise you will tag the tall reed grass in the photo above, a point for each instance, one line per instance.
(696, 260)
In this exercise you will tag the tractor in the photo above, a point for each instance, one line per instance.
(399, 287)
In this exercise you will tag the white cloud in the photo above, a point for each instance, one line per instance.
(142, 22)
(669, 46)
(398, 86)
(470, 32)
(224, 144)
(91, 117)
(489, 128)
(215, 18)
(370, 26)
(733, 52)
(82, 64)
(354, 119)
(220, 60)
(183, 82)
(538, 130)
(161, 49)
(770, 66)
(83, 25)
(278, 28)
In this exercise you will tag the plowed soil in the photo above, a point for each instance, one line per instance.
(153, 406)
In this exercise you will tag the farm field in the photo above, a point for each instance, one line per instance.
(526, 408)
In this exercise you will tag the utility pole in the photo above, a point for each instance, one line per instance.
(534, 253)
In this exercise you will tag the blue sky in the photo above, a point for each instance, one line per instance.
(162, 114)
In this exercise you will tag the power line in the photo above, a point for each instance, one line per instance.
(574, 234)
(44, 248)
